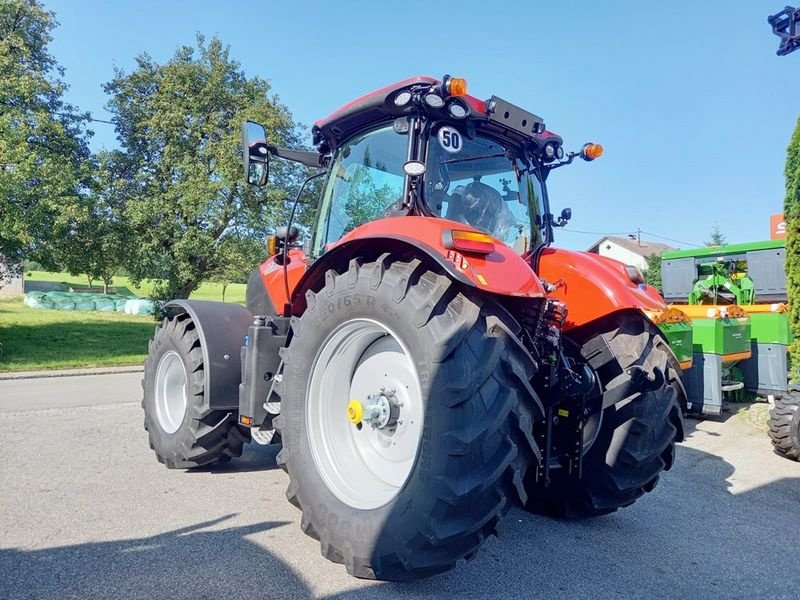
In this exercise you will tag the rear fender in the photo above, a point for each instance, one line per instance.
(593, 286)
(221, 328)
(502, 272)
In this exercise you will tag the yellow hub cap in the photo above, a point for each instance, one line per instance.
(355, 412)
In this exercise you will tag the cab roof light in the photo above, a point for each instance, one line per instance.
(468, 241)
(591, 151)
(458, 86)
(455, 86)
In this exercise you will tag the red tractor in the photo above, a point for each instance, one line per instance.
(427, 358)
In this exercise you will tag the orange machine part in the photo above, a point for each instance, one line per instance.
(593, 286)
(502, 271)
(272, 275)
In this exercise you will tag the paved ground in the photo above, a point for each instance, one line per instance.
(86, 512)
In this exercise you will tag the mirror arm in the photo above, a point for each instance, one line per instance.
(309, 159)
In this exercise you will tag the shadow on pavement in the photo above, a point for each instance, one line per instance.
(690, 538)
(191, 562)
(254, 458)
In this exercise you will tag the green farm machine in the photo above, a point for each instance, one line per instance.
(741, 334)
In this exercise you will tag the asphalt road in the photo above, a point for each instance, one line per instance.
(87, 512)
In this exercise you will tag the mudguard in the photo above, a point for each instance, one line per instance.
(501, 272)
(593, 286)
(221, 328)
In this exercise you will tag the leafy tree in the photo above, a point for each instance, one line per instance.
(717, 237)
(43, 149)
(99, 241)
(791, 214)
(238, 256)
(178, 124)
(652, 276)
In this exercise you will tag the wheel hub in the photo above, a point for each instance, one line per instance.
(382, 410)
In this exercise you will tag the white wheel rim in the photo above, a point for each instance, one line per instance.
(170, 392)
(365, 468)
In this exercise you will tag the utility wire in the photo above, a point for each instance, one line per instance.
(655, 235)
(673, 240)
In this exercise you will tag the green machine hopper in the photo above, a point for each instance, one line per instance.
(714, 279)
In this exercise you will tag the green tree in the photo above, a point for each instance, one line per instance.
(178, 124)
(717, 237)
(791, 214)
(43, 149)
(238, 255)
(99, 241)
(652, 276)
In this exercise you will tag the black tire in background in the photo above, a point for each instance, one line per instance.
(205, 436)
(467, 462)
(637, 436)
(784, 425)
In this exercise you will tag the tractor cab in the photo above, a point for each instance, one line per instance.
(424, 147)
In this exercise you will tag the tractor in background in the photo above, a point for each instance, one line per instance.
(426, 357)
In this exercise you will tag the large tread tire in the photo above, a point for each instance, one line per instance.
(637, 436)
(468, 461)
(205, 437)
(784, 426)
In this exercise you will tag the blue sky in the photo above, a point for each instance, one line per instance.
(689, 99)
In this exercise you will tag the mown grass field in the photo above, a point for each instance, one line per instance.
(235, 292)
(34, 339)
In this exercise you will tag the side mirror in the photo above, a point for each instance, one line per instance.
(255, 153)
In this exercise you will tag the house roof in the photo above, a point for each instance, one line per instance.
(642, 248)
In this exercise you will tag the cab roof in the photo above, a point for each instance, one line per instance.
(373, 108)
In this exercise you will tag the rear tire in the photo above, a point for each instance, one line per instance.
(784, 426)
(637, 436)
(183, 433)
(466, 461)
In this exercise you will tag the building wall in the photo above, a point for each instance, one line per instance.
(13, 287)
(617, 252)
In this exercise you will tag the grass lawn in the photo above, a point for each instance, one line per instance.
(235, 292)
(35, 339)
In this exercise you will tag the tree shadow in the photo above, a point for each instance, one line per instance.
(44, 286)
(692, 537)
(190, 562)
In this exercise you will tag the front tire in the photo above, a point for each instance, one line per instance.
(398, 324)
(636, 439)
(784, 426)
(183, 433)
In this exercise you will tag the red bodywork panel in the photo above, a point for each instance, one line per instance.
(593, 286)
(272, 275)
(361, 99)
(475, 103)
(501, 272)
